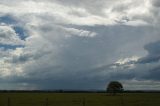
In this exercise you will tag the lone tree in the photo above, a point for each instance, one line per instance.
(114, 87)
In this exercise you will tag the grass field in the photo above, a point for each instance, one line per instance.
(79, 99)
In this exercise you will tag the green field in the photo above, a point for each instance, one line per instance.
(79, 99)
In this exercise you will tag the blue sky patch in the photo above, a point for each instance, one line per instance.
(7, 19)
(6, 47)
(21, 32)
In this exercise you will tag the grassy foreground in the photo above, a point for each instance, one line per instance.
(79, 99)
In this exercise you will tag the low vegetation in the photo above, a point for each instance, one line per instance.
(79, 99)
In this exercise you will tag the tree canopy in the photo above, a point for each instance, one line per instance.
(114, 87)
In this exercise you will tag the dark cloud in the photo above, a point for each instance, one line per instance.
(153, 57)
(152, 48)
(149, 59)
(156, 3)
(153, 53)
(154, 74)
(148, 67)
(76, 64)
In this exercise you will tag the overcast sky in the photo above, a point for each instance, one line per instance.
(79, 44)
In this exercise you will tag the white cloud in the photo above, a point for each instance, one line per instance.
(127, 60)
(7, 67)
(81, 33)
(88, 12)
(8, 36)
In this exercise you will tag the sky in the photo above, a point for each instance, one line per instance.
(79, 44)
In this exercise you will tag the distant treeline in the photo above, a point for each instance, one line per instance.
(50, 91)
(75, 91)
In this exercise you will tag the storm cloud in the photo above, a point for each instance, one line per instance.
(58, 44)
